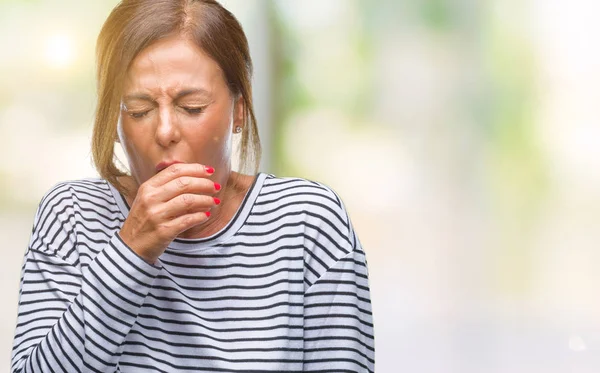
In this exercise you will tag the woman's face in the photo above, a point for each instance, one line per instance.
(176, 107)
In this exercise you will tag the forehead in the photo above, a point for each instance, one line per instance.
(173, 62)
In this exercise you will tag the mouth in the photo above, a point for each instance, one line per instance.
(164, 164)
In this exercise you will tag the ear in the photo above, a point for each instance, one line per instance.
(238, 112)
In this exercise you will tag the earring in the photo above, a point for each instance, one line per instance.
(238, 129)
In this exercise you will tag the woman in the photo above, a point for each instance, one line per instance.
(184, 264)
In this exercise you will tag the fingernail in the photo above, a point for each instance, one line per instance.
(217, 201)
(209, 169)
(217, 186)
(207, 214)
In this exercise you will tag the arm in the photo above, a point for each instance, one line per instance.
(73, 319)
(338, 322)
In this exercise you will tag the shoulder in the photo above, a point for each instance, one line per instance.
(65, 193)
(69, 208)
(68, 200)
(300, 193)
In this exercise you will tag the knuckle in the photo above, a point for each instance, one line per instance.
(182, 182)
(152, 215)
(162, 231)
(145, 196)
(187, 199)
(150, 196)
(141, 192)
(187, 221)
(139, 205)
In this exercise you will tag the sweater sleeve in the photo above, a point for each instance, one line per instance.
(338, 321)
(74, 318)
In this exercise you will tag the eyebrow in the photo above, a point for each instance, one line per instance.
(180, 94)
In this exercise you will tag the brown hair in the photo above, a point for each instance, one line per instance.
(135, 24)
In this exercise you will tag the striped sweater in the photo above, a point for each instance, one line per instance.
(283, 287)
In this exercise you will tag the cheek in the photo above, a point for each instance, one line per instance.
(127, 139)
(212, 146)
(209, 142)
(212, 130)
(225, 144)
(133, 149)
(125, 129)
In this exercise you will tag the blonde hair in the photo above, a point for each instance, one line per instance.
(135, 24)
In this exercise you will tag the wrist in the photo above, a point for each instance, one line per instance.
(135, 248)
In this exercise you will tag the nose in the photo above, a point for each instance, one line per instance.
(167, 128)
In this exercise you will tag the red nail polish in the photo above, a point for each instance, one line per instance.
(207, 214)
(217, 186)
(209, 169)
(217, 201)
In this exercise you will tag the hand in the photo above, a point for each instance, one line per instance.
(170, 202)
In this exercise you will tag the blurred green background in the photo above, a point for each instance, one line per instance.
(462, 135)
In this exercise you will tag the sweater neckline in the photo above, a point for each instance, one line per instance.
(234, 225)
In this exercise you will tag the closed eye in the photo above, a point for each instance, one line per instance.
(139, 114)
(193, 110)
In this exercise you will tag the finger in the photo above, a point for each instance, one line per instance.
(187, 221)
(186, 185)
(185, 204)
(178, 170)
